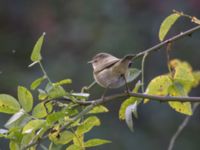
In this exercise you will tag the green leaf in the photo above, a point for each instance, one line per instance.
(42, 94)
(133, 74)
(74, 147)
(158, 86)
(196, 75)
(27, 138)
(56, 91)
(3, 133)
(8, 104)
(55, 117)
(131, 109)
(36, 55)
(40, 110)
(79, 140)
(15, 134)
(88, 124)
(131, 100)
(167, 24)
(181, 107)
(25, 98)
(124, 106)
(61, 138)
(17, 119)
(96, 142)
(33, 125)
(14, 145)
(37, 82)
(98, 109)
(53, 146)
(182, 73)
(62, 82)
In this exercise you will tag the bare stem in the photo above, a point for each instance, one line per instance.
(174, 38)
(180, 128)
(143, 63)
(44, 72)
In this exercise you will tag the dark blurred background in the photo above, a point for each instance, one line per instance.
(78, 29)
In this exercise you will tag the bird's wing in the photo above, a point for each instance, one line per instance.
(107, 64)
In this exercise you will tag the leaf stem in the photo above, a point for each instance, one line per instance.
(180, 128)
(143, 63)
(44, 72)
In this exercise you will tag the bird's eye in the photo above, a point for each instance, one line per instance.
(129, 65)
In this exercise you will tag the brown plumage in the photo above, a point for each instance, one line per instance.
(110, 71)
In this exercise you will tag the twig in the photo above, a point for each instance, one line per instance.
(142, 95)
(143, 63)
(44, 73)
(180, 128)
(174, 38)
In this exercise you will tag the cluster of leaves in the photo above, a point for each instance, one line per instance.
(30, 123)
(178, 82)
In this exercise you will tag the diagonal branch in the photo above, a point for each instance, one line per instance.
(174, 38)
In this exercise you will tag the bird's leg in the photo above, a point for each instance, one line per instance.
(126, 84)
(104, 93)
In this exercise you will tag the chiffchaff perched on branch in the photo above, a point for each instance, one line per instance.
(110, 71)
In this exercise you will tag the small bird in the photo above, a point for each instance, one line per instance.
(110, 71)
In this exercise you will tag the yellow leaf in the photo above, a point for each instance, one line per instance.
(158, 86)
(184, 108)
(196, 75)
(182, 73)
(130, 101)
(181, 107)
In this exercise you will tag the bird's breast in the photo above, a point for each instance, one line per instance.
(109, 79)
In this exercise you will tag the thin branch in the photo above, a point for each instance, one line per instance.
(174, 38)
(180, 128)
(141, 95)
(143, 63)
(44, 72)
